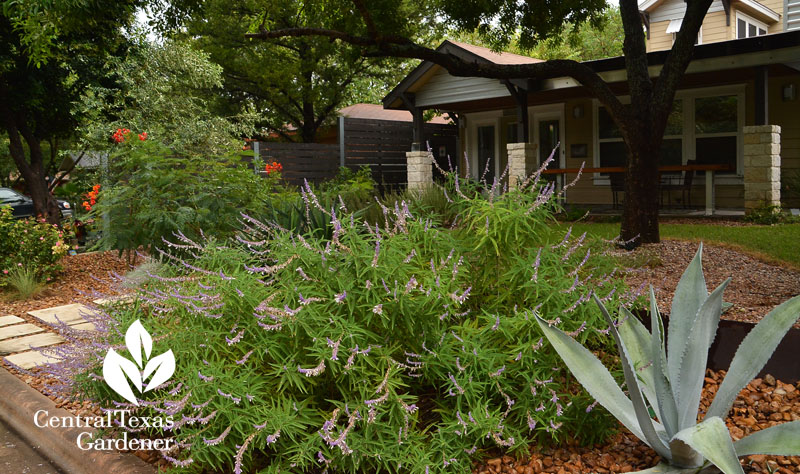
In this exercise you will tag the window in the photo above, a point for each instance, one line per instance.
(675, 26)
(716, 129)
(705, 125)
(612, 151)
(747, 27)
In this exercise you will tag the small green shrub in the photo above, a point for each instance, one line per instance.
(765, 214)
(34, 244)
(396, 346)
(24, 282)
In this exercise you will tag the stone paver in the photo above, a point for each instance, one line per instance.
(24, 343)
(6, 320)
(84, 327)
(115, 299)
(18, 330)
(29, 359)
(70, 314)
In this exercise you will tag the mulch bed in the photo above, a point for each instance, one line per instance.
(763, 403)
(85, 276)
(755, 289)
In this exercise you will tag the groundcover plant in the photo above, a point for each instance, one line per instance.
(669, 380)
(398, 345)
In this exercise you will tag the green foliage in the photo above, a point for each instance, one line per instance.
(25, 282)
(383, 346)
(596, 39)
(297, 85)
(155, 193)
(669, 380)
(33, 245)
(768, 214)
(163, 90)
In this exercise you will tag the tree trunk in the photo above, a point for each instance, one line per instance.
(33, 172)
(642, 192)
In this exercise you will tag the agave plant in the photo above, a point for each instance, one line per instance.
(667, 382)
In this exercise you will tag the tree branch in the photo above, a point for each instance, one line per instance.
(393, 46)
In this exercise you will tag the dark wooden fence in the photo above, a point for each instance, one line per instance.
(302, 161)
(379, 144)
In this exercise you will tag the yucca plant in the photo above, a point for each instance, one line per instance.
(667, 382)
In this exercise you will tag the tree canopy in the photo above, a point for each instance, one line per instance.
(378, 28)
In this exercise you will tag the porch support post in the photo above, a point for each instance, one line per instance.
(762, 166)
(419, 166)
(710, 194)
(418, 127)
(761, 95)
(521, 163)
(520, 95)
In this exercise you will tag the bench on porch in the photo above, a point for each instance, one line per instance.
(620, 171)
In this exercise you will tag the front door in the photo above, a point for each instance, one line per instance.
(549, 138)
(486, 154)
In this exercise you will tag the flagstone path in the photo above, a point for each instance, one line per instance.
(19, 339)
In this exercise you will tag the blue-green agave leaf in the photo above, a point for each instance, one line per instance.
(712, 440)
(666, 398)
(689, 386)
(689, 296)
(753, 353)
(642, 415)
(637, 340)
(779, 440)
(593, 375)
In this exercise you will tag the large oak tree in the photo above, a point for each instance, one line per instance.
(381, 30)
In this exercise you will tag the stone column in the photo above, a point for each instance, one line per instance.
(419, 166)
(521, 162)
(762, 166)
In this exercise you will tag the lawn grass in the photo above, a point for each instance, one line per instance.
(779, 243)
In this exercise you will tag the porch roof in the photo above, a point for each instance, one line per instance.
(779, 48)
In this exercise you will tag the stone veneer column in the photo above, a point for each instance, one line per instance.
(762, 166)
(521, 162)
(419, 166)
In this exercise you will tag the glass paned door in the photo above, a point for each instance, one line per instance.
(486, 153)
(549, 133)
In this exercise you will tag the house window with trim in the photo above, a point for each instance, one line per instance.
(675, 26)
(716, 129)
(747, 27)
(612, 151)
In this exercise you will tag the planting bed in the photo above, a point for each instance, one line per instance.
(763, 403)
(84, 277)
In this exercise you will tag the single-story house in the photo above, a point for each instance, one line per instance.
(745, 71)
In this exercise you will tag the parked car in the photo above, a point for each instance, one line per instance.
(22, 205)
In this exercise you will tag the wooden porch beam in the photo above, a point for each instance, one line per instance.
(762, 95)
(520, 95)
(418, 126)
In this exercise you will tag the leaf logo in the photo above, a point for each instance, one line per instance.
(118, 371)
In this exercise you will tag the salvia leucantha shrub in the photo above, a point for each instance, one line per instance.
(396, 346)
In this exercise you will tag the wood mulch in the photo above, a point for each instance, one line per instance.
(85, 276)
(755, 289)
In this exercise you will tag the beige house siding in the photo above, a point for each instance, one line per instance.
(776, 6)
(715, 28)
(785, 114)
(659, 39)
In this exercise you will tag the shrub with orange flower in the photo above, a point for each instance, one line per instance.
(274, 167)
(120, 135)
(92, 196)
